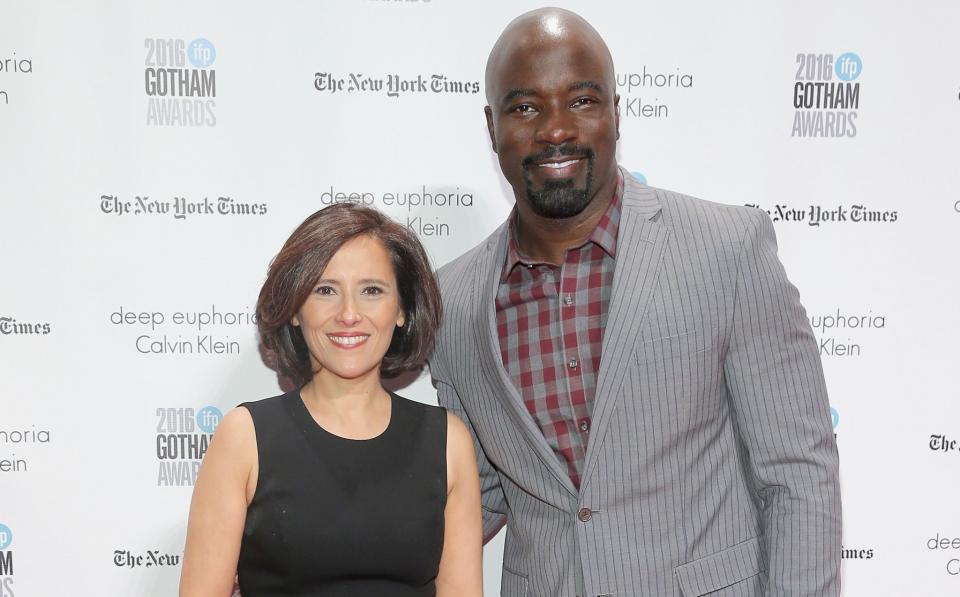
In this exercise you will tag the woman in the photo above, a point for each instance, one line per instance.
(340, 487)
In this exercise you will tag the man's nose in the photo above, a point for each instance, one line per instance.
(558, 126)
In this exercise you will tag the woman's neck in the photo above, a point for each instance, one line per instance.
(343, 401)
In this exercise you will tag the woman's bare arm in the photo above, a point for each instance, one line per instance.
(461, 565)
(219, 508)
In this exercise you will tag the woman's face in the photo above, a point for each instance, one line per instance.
(349, 318)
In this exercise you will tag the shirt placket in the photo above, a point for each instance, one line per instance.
(575, 412)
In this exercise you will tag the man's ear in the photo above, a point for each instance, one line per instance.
(616, 112)
(488, 112)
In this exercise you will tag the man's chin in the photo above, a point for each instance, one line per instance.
(558, 203)
(542, 183)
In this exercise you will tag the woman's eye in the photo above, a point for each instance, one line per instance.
(324, 290)
(374, 290)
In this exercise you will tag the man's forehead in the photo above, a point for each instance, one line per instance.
(558, 64)
(511, 93)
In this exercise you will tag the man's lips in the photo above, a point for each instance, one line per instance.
(559, 167)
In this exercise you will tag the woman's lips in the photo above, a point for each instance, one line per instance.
(348, 340)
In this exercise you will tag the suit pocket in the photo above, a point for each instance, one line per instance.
(719, 570)
(512, 584)
(674, 345)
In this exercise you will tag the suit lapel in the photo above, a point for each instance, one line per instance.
(641, 241)
(486, 282)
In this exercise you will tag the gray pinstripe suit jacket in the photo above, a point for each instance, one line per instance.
(711, 467)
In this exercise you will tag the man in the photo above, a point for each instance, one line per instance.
(640, 377)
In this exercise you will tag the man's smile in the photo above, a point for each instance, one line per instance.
(559, 167)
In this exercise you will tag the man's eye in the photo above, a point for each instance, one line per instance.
(583, 101)
(523, 109)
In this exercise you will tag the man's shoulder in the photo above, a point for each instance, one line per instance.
(688, 213)
(679, 209)
(460, 271)
(680, 203)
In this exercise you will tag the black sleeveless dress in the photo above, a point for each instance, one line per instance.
(336, 517)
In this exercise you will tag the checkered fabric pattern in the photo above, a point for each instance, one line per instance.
(550, 322)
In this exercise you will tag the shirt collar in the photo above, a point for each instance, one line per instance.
(604, 235)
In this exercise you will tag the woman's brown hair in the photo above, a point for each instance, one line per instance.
(301, 262)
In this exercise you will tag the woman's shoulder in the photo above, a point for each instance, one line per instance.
(267, 405)
(455, 429)
(416, 405)
(420, 415)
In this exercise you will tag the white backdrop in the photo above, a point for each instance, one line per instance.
(154, 157)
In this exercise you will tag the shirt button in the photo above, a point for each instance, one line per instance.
(584, 514)
(585, 424)
(568, 300)
(572, 363)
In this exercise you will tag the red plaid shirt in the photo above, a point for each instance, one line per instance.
(550, 321)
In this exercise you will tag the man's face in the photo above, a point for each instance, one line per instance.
(554, 124)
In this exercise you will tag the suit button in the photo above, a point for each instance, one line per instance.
(584, 514)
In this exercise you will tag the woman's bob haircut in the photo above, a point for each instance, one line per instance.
(301, 262)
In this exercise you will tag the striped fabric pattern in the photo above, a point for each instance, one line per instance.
(711, 469)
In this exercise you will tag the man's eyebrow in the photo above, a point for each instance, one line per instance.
(518, 92)
(587, 85)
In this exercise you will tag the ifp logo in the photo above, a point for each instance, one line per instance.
(6, 536)
(835, 415)
(848, 66)
(201, 53)
(208, 418)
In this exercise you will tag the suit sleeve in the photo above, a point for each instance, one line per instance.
(782, 416)
(492, 500)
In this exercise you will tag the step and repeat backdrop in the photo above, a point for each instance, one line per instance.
(154, 157)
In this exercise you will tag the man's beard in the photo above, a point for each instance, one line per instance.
(559, 198)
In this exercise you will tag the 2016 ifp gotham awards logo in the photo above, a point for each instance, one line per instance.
(180, 83)
(6, 561)
(826, 95)
(183, 436)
